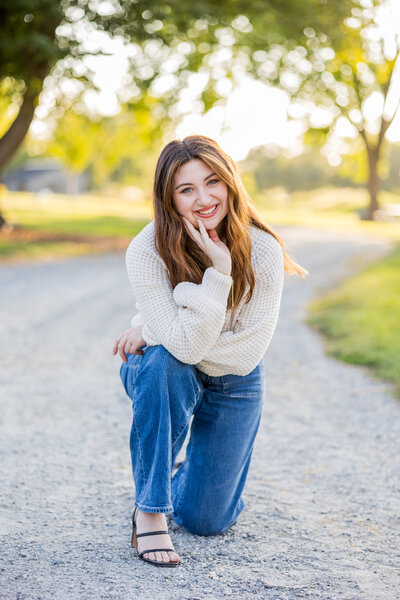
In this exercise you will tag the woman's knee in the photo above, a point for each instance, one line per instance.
(203, 525)
(160, 364)
(159, 355)
(201, 528)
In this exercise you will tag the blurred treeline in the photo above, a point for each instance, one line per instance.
(121, 151)
(263, 169)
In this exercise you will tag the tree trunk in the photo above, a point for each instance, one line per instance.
(373, 182)
(15, 135)
(12, 139)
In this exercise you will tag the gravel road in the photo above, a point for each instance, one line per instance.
(322, 498)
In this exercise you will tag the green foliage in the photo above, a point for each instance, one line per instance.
(343, 63)
(217, 38)
(122, 147)
(315, 137)
(74, 141)
(316, 50)
(28, 41)
(354, 165)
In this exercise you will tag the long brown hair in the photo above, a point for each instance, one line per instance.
(184, 260)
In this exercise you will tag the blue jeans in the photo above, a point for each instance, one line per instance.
(204, 495)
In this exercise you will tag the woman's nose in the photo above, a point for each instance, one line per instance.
(203, 198)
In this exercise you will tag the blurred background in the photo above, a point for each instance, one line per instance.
(303, 95)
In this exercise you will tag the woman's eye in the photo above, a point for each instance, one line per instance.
(185, 190)
(212, 181)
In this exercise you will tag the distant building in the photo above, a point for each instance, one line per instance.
(45, 175)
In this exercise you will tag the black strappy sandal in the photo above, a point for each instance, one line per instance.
(134, 544)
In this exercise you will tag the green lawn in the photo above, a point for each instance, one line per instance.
(361, 319)
(106, 225)
(88, 215)
(59, 226)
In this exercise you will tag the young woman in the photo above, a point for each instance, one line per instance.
(207, 276)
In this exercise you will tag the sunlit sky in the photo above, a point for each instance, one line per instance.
(255, 114)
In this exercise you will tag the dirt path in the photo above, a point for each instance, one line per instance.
(322, 499)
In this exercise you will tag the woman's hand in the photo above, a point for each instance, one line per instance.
(210, 243)
(129, 341)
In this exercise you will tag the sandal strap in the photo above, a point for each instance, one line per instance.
(156, 550)
(151, 533)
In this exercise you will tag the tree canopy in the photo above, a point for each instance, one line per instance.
(171, 38)
(353, 62)
(330, 54)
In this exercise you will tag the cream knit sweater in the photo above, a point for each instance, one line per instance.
(191, 320)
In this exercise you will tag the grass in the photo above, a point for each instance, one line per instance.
(12, 249)
(56, 226)
(89, 215)
(106, 225)
(361, 319)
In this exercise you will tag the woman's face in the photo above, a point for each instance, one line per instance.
(198, 188)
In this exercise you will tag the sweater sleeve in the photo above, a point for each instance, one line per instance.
(243, 348)
(186, 320)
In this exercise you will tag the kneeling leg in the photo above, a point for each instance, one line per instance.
(164, 393)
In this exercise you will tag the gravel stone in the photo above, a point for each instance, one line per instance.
(321, 520)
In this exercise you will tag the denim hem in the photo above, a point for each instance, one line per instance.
(152, 509)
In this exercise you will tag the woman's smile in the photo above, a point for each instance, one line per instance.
(207, 212)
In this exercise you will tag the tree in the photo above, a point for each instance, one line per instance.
(171, 38)
(29, 49)
(353, 62)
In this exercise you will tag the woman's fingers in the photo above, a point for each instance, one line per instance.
(195, 234)
(208, 241)
(130, 347)
(121, 347)
(116, 343)
(189, 228)
(202, 230)
(129, 342)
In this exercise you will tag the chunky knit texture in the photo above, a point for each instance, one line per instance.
(192, 320)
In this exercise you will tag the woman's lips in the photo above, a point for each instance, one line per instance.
(211, 214)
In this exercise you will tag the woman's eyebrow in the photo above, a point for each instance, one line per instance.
(205, 178)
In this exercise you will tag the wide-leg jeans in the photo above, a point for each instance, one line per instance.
(205, 494)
